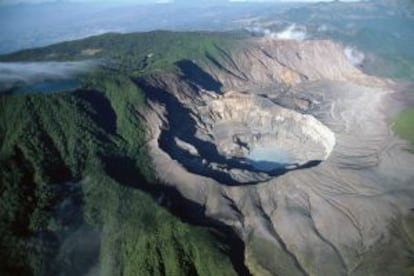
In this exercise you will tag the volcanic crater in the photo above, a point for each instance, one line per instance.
(264, 135)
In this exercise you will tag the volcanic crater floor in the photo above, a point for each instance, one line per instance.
(264, 135)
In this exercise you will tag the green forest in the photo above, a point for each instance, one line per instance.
(77, 190)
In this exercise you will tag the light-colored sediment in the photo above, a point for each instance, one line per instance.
(239, 123)
(346, 216)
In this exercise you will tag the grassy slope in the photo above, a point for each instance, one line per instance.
(404, 125)
(94, 139)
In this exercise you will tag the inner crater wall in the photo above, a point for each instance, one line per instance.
(244, 124)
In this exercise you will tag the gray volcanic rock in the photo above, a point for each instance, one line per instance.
(241, 123)
(283, 63)
(347, 215)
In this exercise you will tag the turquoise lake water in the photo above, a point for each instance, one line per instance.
(270, 158)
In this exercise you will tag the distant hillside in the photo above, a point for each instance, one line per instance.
(135, 52)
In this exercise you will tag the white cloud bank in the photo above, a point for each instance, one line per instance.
(30, 72)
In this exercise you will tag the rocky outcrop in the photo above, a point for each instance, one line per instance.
(268, 62)
(341, 215)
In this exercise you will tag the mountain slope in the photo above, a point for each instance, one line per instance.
(73, 171)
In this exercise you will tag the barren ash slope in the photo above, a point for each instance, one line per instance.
(290, 145)
(284, 141)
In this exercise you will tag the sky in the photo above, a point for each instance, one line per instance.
(151, 1)
(28, 26)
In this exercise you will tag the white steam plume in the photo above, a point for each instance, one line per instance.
(354, 56)
(292, 32)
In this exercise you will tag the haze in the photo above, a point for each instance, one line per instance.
(34, 23)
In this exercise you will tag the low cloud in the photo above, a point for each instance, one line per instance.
(23, 73)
